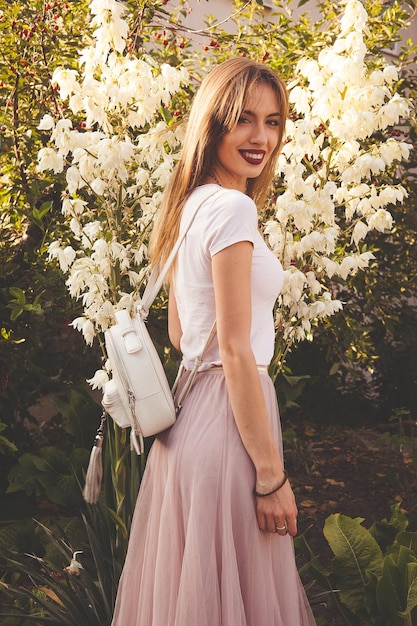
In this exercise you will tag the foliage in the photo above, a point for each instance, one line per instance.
(39, 353)
(373, 573)
(64, 585)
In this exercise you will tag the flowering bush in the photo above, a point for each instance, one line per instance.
(331, 198)
(118, 158)
(117, 161)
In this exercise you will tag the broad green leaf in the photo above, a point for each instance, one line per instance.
(407, 539)
(391, 593)
(404, 556)
(369, 594)
(357, 555)
(5, 444)
(334, 369)
(412, 589)
(16, 312)
(18, 295)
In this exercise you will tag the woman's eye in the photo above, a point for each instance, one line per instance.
(243, 120)
(273, 122)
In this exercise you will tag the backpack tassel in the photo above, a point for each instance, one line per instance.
(94, 474)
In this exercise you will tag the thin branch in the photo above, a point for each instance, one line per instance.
(173, 26)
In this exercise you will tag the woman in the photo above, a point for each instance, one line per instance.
(211, 539)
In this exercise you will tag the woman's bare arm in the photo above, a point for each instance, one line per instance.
(232, 287)
(174, 324)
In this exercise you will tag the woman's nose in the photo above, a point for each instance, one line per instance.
(258, 134)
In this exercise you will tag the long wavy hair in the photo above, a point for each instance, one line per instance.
(216, 109)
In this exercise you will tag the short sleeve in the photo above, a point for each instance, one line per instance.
(233, 218)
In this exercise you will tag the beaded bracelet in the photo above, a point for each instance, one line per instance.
(277, 488)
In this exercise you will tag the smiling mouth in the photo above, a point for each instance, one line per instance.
(254, 158)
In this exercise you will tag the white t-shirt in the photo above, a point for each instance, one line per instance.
(223, 219)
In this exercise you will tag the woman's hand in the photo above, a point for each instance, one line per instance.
(277, 513)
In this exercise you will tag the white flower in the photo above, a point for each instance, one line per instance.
(392, 195)
(65, 256)
(99, 186)
(390, 74)
(74, 180)
(75, 566)
(99, 379)
(359, 232)
(49, 159)
(92, 230)
(67, 81)
(47, 122)
(300, 98)
(75, 227)
(355, 17)
(101, 248)
(381, 221)
(73, 206)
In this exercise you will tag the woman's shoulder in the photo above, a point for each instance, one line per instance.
(225, 202)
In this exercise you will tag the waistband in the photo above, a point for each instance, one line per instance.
(260, 368)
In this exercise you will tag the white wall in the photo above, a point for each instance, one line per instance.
(222, 9)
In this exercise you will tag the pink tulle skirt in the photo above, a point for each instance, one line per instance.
(196, 555)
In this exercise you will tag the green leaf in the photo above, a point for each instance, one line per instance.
(408, 540)
(23, 476)
(404, 558)
(357, 555)
(6, 445)
(18, 295)
(391, 592)
(16, 312)
(412, 589)
(334, 369)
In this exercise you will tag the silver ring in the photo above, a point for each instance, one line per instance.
(277, 528)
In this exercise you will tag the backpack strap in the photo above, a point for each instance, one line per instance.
(157, 277)
(152, 289)
(190, 380)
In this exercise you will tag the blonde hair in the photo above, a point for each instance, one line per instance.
(216, 109)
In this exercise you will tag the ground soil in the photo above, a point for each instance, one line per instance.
(359, 472)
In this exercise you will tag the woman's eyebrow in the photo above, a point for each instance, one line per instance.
(252, 114)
